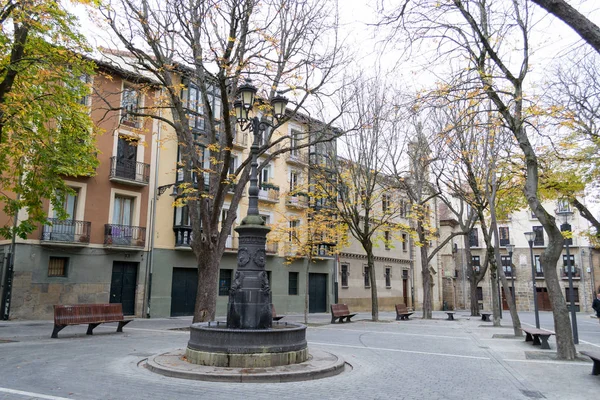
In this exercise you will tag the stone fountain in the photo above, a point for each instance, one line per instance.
(249, 338)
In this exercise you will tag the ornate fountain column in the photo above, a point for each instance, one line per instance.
(249, 304)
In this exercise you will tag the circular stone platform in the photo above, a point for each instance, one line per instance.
(320, 364)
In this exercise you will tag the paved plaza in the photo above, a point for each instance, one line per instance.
(416, 359)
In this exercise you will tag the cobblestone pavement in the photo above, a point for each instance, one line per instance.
(416, 359)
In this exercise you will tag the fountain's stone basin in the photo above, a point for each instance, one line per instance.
(216, 345)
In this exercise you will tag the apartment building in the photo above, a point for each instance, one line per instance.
(281, 202)
(525, 262)
(98, 254)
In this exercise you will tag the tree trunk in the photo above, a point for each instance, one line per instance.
(474, 298)
(565, 348)
(494, 284)
(373, 279)
(206, 294)
(425, 274)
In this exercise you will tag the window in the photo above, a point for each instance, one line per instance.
(387, 240)
(385, 202)
(366, 276)
(538, 267)
(479, 293)
(404, 242)
(123, 211)
(57, 266)
(567, 228)
(294, 180)
(533, 216)
(265, 175)
(473, 238)
(539, 236)
(476, 263)
(86, 80)
(575, 295)
(402, 208)
(504, 235)
(130, 105)
(572, 264)
(293, 283)
(182, 216)
(294, 142)
(345, 268)
(388, 277)
(224, 281)
(195, 107)
(293, 234)
(506, 267)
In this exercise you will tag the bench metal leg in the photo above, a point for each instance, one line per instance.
(333, 318)
(536, 340)
(348, 319)
(398, 317)
(544, 339)
(91, 328)
(596, 368)
(528, 337)
(121, 325)
(57, 328)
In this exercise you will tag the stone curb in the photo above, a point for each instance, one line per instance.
(321, 364)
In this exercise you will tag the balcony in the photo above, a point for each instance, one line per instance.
(66, 232)
(299, 200)
(129, 172)
(508, 273)
(324, 251)
(124, 236)
(576, 273)
(240, 141)
(268, 192)
(272, 248)
(296, 157)
(183, 236)
(231, 245)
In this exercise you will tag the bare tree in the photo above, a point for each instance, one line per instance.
(585, 28)
(367, 206)
(473, 29)
(198, 52)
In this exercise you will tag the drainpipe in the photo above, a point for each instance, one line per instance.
(150, 258)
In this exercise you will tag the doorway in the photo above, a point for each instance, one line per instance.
(317, 293)
(504, 299)
(543, 300)
(123, 285)
(183, 291)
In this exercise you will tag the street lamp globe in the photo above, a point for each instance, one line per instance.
(241, 113)
(246, 93)
(530, 236)
(279, 103)
(510, 248)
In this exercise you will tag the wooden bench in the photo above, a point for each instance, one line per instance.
(402, 312)
(595, 356)
(340, 311)
(450, 315)
(537, 336)
(91, 314)
(275, 317)
(485, 316)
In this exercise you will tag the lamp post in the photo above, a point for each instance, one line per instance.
(249, 304)
(530, 236)
(565, 214)
(510, 248)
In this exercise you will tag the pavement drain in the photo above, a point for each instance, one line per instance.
(533, 394)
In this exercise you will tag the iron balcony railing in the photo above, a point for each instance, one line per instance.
(296, 157)
(129, 171)
(124, 235)
(268, 192)
(539, 274)
(296, 200)
(66, 231)
(575, 272)
(183, 235)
